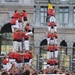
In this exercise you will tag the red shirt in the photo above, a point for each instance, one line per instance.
(51, 48)
(51, 61)
(48, 61)
(26, 56)
(16, 15)
(48, 48)
(51, 24)
(55, 35)
(52, 36)
(13, 21)
(55, 61)
(20, 18)
(15, 36)
(19, 58)
(55, 47)
(51, 12)
(15, 55)
(25, 36)
(5, 61)
(48, 35)
(19, 36)
(11, 55)
(27, 28)
(24, 14)
(30, 55)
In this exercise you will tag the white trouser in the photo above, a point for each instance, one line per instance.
(48, 54)
(26, 44)
(30, 62)
(52, 30)
(26, 63)
(56, 65)
(15, 48)
(55, 41)
(55, 28)
(12, 61)
(48, 41)
(7, 66)
(52, 19)
(51, 66)
(51, 54)
(20, 26)
(15, 26)
(29, 33)
(4, 67)
(19, 46)
(49, 28)
(19, 65)
(25, 22)
(52, 42)
(48, 65)
(56, 54)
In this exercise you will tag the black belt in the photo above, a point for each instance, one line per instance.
(15, 40)
(19, 21)
(26, 60)
(25, 18)
(19, 40)
(12, 24)
(26, 39)
(29, 30)
(52, 39)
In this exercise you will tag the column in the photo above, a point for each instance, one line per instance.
(57, 15)
(71, 17)
(37, 15)
(0, 49)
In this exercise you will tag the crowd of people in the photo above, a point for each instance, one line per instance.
(29, 70)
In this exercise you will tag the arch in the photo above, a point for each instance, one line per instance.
(44, 42)
(43, 51)
(6, 28)
(74, 44)
(74, 50)
(63, 43)
(6, 37)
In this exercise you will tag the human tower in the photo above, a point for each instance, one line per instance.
(52, 37)
(21, 32)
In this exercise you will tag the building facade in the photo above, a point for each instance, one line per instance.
(65, 18)
(37, 14)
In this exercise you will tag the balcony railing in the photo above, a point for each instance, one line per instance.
(11, 0)
(55, 1)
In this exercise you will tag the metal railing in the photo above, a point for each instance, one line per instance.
(55, 1)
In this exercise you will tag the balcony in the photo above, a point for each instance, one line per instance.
(17, 2)
(55, 1)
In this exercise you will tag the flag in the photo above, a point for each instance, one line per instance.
(50, 5)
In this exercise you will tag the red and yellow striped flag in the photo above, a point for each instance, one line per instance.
(50, 5)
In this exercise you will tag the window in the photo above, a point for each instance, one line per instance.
(43, 14)
(6, 46)
(74, 15)
(74, 51)
(11, 0)
(63, 0)
(63, 15)
(34, 14)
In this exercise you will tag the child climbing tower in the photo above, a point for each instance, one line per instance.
(52, 37)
